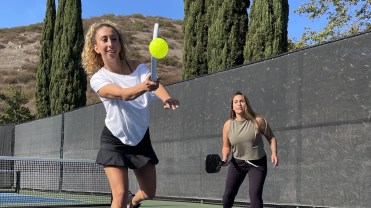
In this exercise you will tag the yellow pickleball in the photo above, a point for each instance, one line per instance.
(158, 48)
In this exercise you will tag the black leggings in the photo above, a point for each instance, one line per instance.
(237, 171)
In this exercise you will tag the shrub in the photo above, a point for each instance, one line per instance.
(25, 76)
(138, 16)
(169, 61)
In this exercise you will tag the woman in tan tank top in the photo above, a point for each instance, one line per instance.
(242, 136)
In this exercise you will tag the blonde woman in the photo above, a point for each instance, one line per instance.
(243, 137)
(126, 90)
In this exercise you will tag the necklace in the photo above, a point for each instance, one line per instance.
(121, 67)
(127, 63)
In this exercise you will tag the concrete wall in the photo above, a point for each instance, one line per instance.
(317, 101)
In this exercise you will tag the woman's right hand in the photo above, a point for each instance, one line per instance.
(171, 103)
(225, 162)
(150, 85)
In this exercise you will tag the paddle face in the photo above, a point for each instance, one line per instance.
(213, 163)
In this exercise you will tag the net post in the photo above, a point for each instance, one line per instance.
(18, 181)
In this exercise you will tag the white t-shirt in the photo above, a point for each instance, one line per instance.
(128, 120)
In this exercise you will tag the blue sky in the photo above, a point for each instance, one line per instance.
(25, 12)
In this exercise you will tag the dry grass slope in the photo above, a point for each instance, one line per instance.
(20, 46)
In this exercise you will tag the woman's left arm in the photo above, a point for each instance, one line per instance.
(169, 102)
(266, 130)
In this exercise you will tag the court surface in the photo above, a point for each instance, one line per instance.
(170, 204)
(20, 200)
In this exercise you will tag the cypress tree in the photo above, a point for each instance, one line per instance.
(68, 79)
(195, 39)
(227, 33)
(267, 34)
(45, 62)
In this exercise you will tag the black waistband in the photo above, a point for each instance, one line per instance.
(110, 142)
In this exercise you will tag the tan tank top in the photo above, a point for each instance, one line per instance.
(246, 141)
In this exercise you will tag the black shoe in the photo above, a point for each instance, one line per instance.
(136, 206)
(130, 204)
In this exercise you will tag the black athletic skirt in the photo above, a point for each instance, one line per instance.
(113, 152)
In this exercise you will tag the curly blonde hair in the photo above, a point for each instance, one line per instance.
(91, 60)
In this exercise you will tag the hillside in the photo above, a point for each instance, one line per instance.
(20, 47)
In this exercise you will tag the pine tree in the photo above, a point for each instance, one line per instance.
(68, 79)
(45, 62)
(228, 22)
(195, 39)
(14, 111)
(267, 34)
